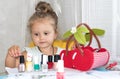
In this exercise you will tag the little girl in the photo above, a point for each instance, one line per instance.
(43, 28)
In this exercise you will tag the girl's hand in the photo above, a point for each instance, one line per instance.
(14, 51)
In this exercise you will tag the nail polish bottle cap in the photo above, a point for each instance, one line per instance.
(22, 59)
(60, 66)
(36, 60)
(50, 58)
(45, 59)
(56, 58)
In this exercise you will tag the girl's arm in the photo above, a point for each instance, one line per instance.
(12, 57)
(11, 62)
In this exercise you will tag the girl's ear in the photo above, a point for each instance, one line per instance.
(56, 34)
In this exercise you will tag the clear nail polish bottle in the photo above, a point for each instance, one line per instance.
(21, 67)
(44, 64)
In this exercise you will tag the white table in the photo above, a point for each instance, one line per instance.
(69, 74)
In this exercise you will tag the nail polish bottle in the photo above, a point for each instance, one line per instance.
(41, 59)
(29, 64)
(50, 62)
(44, 64)
(56, 58)
(36, 63)
(60, 70)
(21, 67)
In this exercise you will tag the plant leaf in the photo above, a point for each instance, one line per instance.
(98, 32)
(87, 36)
(67, 34)
(82, 29)
(80, 38)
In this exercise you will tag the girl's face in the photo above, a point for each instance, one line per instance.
(43, 33)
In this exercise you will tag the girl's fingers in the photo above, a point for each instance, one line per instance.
(14, 51)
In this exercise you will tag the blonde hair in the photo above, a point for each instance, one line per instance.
(43, 10)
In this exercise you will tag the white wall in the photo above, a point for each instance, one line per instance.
(104, 14)
(12, 24)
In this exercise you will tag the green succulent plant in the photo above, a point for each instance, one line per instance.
(82, 34)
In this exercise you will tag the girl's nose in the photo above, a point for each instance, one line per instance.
(41, 37)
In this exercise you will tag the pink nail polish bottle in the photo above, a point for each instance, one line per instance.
(21, 67)
(60, 71)
(56, 58)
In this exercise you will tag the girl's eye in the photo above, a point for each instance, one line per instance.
(46, 33)
(36, 34)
